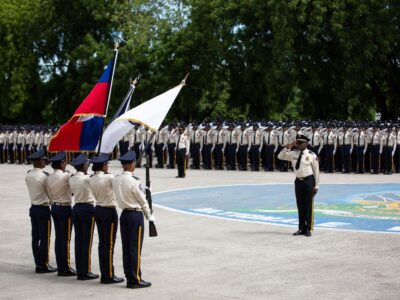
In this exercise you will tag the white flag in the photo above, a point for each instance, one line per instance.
(150, 114)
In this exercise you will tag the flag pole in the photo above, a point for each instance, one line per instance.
(109, 92)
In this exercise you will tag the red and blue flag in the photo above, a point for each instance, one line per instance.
(82, 132)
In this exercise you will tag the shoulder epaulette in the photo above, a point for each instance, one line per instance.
(28, 171)
(46, 173)
(137, 178)
(71, 175)
(91, 175)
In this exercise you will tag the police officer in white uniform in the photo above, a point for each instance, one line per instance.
(182, 151)
(134, 206)
(82, 217)
(39, 212)
(306, 169)
(106, 216)
(60, 195)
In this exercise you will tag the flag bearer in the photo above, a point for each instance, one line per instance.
(82, 217)
(134, 206)
(39, 212)
(106, 216)
(57, 186)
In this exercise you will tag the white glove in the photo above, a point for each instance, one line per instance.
(351, 150)
(365, 151)
(152, 218)
(141, 147)
(223, 149)
(152, 149)
(237, 149)
(248, 149)
(392, 153)
(334, 152)
(14, 148)
(201, 149)
(275, 149)
(212, 149)
(165, 147)
(259, 150)
(380, 152)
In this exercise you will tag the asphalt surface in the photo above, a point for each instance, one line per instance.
(196, 257)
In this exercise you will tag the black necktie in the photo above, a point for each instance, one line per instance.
(179, 139)
(299, 160)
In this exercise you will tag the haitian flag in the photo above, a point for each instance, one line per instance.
(83, 130)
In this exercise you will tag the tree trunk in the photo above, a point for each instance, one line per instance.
(380, 100)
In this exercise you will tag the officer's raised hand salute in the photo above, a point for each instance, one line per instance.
(39, 212)
(306, 169)
(134, 205)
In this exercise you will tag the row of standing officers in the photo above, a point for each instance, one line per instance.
(95, 200)
(343, 149)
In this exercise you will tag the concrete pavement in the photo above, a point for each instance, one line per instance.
(196, 257)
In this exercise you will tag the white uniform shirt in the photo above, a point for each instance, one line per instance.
(231, 137)
(46, 139)
(80, 187)
(183, 142)
(256, 138)
(129, 194)
(308, 164)
(101, 185)
(21, 138)
(57, 185)
(36, 182)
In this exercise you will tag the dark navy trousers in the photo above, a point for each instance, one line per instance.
(132, 229)
(304, 199)
(107, 225)
(41, 231)
(83, 219)
(63, 227)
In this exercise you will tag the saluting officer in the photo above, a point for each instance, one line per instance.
(256, 144)
(306, 169)
(232, 147)
(57, 185)
(219, 147)
(82, 217)
(182, 152)
(39, 212)
(134, 205)
(105, 215)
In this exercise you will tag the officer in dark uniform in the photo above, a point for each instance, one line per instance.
(82, 217)
(134, 205)
(39, 212)
(57, 185)
(306, 169)
(106, 216)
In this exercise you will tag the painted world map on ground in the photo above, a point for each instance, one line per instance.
(357, 207)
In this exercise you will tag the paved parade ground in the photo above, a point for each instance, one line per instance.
(228, 235)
